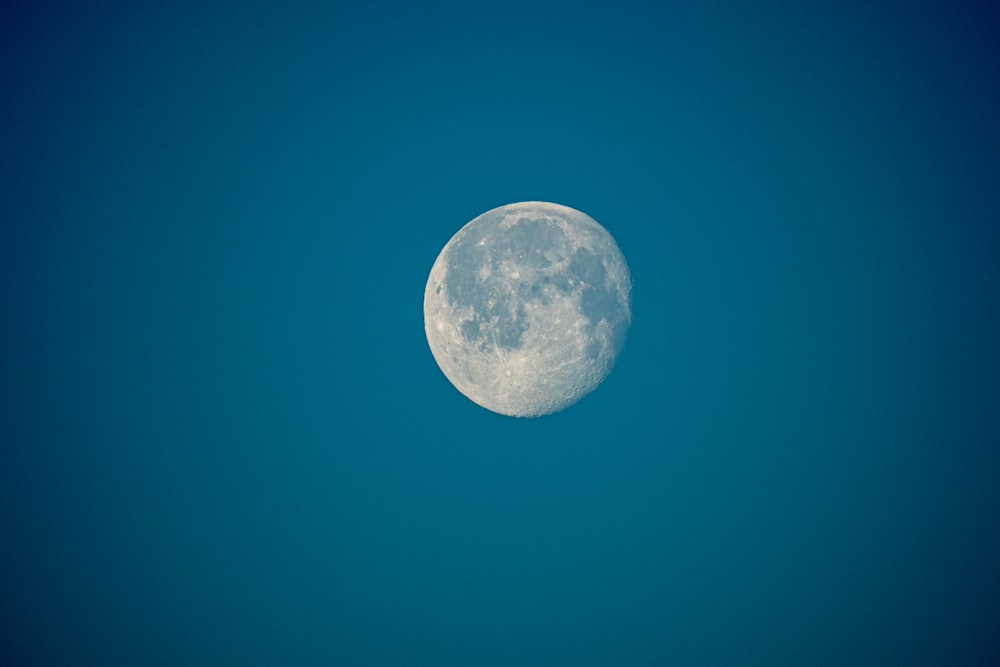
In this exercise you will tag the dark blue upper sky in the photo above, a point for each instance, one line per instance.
(224, 438)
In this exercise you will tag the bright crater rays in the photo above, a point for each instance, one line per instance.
(527, 308)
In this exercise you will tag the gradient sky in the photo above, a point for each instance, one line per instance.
(225, 440)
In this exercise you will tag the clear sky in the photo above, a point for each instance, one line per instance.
(224, 440)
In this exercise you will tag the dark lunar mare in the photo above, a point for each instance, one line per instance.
(599, 299)
(501, 318)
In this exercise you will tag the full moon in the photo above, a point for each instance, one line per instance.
(527, 308)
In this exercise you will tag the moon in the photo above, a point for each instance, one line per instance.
(527, 308)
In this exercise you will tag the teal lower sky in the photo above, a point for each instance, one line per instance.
(223, 437)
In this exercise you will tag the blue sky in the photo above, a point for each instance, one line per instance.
(226, 440)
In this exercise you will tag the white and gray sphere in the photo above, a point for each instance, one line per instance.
(527, 308)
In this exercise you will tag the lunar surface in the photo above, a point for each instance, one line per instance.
(527, 308)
